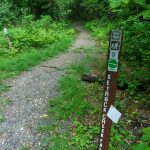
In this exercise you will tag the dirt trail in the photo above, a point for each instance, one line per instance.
(30, 92)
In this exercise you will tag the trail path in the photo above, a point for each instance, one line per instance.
(30, 92)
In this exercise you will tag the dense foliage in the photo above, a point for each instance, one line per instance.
(12, 10)
(30, 42)
(133, 19)
(35, 34)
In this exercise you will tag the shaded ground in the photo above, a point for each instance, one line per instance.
(30, 92)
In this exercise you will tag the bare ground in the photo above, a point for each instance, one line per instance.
(30, 92)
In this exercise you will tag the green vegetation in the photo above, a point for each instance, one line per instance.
(13, 65)
(144, 140)
(78, 107)
(35, 34)
(32, 42)
(133, 83)
(39, 30)
(132, 78)
(3, 102)
(72, 105)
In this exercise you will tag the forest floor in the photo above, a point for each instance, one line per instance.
(29, 93)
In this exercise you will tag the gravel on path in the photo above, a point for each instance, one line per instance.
(30, 92)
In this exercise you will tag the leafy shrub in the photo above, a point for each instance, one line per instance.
(5, 12)
(136, 47)
(40, 33)
(120, 137)
(143, 145)
(85, 135)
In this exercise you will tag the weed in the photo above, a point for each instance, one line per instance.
(57, 142)
(84, 136)
(83, 50)
(3, 87)
(24, 147)
(71, 104)
(143, 145)
(2, 118)
(3, 102)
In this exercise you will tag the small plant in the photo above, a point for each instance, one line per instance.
(120, 137)
(2, 118)
(85, 135)
(72, 102)
(3, 87)
(144, 141)
(23, 147)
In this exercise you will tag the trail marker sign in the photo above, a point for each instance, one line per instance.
(113, 114)
(113, 61)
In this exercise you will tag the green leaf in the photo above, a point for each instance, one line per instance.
(125, 2)
(147, 6)
(140, 2)
(146, 130)
(146, 137)
(141, 146)
(146, 14)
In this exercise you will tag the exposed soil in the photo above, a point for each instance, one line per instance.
(29, 93)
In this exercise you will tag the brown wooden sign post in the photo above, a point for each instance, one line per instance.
(114, 54)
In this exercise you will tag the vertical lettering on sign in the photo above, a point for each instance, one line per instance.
(114, 54)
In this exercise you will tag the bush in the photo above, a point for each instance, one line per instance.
(136, 44)
(33, 34)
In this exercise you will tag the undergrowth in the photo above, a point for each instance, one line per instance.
(76, 112)
(78, 115)
(134, 75)
(28, 44)
(134, 95)
(3, 102)
(12, 65)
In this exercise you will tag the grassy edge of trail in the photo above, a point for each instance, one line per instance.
(12, 66)
(23, 61)
(70, 110)
(76, 114)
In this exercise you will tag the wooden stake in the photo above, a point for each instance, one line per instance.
(113, 61)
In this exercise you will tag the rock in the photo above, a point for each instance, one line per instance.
(91, 78)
